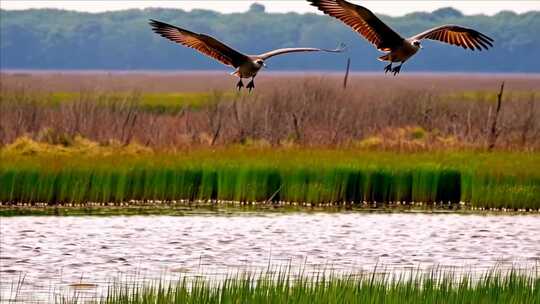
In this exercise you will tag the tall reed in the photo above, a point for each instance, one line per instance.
(301, 176)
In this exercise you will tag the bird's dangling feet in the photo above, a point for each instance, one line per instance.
(396, 70)
(239, 85)
(251, 85)
(388, 68)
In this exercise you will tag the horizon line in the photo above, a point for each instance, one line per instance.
(403, 8)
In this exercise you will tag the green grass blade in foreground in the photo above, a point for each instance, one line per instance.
(283, 287)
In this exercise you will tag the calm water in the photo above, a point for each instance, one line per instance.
(52, 253)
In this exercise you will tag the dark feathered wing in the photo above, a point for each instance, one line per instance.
(200, 42)
(457, 35)
(362, 21)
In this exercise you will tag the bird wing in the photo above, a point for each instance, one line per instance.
(200, 42)
(273, 53)
(457, 35)
(362, 21)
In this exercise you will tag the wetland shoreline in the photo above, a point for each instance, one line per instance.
(222, 208)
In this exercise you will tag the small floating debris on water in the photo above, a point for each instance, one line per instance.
(181, 270)
(83, 285)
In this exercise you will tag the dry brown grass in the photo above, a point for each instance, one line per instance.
(409, 112)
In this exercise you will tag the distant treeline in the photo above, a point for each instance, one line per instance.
(57, 39)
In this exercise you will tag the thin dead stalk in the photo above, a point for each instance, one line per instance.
(494, 133)
(346, 78)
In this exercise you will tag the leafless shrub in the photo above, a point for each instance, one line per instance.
(378, 112)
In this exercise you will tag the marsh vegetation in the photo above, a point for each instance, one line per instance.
(489, 180)
(281, 287)
(73, 139)
(176, 111)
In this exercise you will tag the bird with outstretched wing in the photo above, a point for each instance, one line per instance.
(385, 39)
(246, 66)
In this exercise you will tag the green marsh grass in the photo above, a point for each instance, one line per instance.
(284, 287)
(483, 180)
(158, 102)
(489, 95)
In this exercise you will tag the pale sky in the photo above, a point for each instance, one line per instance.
(389, 7)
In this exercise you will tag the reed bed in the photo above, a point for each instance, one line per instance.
(298, 176)
(283, 287)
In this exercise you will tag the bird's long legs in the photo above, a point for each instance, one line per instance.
(397, 69)
(251, 85)
(394, 70)
(388, 68)
(240, 84)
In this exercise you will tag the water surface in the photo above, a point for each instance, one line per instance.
(53, 253)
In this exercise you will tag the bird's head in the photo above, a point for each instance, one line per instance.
(260, 63)
(417, 44)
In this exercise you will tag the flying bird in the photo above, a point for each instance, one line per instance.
(385, 39)
(246, 66)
